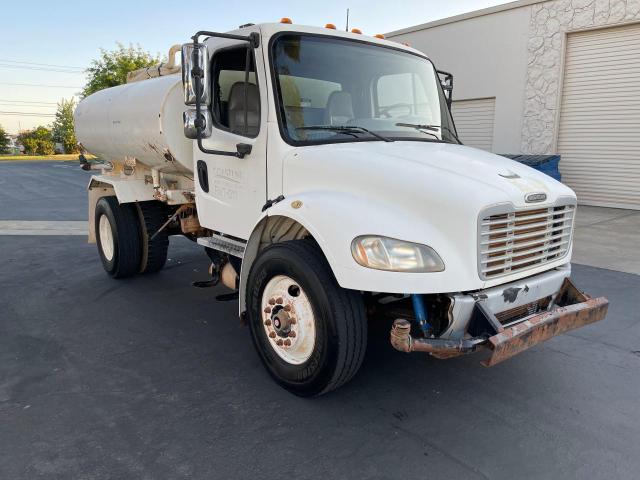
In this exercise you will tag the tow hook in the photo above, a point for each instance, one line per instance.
(402, 340)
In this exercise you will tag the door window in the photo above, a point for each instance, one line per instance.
(236, 105)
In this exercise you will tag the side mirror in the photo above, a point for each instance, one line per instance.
(192, 123)
(446, 80)
(195, 68)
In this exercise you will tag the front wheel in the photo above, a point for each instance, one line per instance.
(310, 333)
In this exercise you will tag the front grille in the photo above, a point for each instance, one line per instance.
(514, 241)
(511, 316)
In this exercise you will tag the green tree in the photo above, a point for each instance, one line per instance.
(62, 128)
(112, 67)
(37, 142)
(4, 141)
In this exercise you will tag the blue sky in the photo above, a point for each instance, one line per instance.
(69, 34)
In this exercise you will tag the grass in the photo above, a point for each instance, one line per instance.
(61, 157)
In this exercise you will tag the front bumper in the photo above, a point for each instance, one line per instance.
(571, 309)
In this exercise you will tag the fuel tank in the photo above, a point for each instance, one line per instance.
(141, 120)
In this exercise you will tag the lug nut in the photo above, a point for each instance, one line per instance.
(287, 342)
(292, 334)
(267, 310)
(287, 308)
(280, 300)
(279, 343)
(272, 334)
(272, 301)
(292, 321)
(267, 322)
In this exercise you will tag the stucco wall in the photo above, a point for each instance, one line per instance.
(548, 25)
(516, 56)
(488, 58)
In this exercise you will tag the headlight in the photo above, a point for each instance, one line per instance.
(382, 253)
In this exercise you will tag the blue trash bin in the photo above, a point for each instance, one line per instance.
(549, 164)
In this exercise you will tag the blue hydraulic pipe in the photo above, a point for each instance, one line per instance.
(420, 312)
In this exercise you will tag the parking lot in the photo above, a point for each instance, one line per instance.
(151, 378)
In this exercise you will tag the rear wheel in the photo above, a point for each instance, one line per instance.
(118, 237)
(152, 216)
(309, 332)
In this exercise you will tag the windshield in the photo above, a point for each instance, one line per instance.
(335, 90)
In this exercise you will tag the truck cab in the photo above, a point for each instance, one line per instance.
(322, 172)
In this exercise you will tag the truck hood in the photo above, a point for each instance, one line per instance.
(427, 170)
(424, 192)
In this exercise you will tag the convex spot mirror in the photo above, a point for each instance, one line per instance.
(191, 124)
(195, 68)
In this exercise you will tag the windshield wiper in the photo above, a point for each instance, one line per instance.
(348, 129)
(434, 128)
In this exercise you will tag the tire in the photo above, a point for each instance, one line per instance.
(118, 237)
(331, 356)
(152, 216)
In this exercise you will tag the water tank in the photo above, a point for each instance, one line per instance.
(142, 120)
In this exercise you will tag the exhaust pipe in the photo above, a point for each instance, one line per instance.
(229, 276)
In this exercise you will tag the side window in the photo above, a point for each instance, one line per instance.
(400, 95)
(231, 95)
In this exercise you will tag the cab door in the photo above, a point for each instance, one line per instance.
(231, 191)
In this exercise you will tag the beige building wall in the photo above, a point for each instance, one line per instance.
(487, 56)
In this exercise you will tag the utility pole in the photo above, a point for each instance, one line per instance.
(347, 29)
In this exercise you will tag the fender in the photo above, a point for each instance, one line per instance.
(334, 219)
(125, 190)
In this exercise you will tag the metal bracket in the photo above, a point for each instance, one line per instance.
(271, 203)
(483, 322)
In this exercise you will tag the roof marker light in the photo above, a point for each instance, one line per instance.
(356, 30)
(285, 20)
(330, 26)
(379, 35)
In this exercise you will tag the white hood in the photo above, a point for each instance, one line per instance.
(424, 192)
(427, 168)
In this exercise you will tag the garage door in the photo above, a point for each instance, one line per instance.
(599, 136)
(474, 121)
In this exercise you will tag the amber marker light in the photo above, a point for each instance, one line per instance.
(330, 26)
(356, 30)
(379, 35)
(285, 20)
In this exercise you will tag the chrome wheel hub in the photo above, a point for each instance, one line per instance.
(288, 320)
(106, 237)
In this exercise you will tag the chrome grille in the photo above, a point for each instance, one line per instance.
(518, 240)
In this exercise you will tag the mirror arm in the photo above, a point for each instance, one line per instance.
(447, 85)
(253, 39)
(246, 91)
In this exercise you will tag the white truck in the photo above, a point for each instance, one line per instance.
(322, 172)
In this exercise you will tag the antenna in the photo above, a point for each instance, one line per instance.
(347, 29)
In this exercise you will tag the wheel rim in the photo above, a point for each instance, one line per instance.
(106, 237)
(288, 320)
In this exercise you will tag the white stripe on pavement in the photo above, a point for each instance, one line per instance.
(38, 227)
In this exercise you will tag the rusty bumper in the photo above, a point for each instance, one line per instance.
(542, 327)
(573, 309)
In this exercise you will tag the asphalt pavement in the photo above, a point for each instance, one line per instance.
(151, 378)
